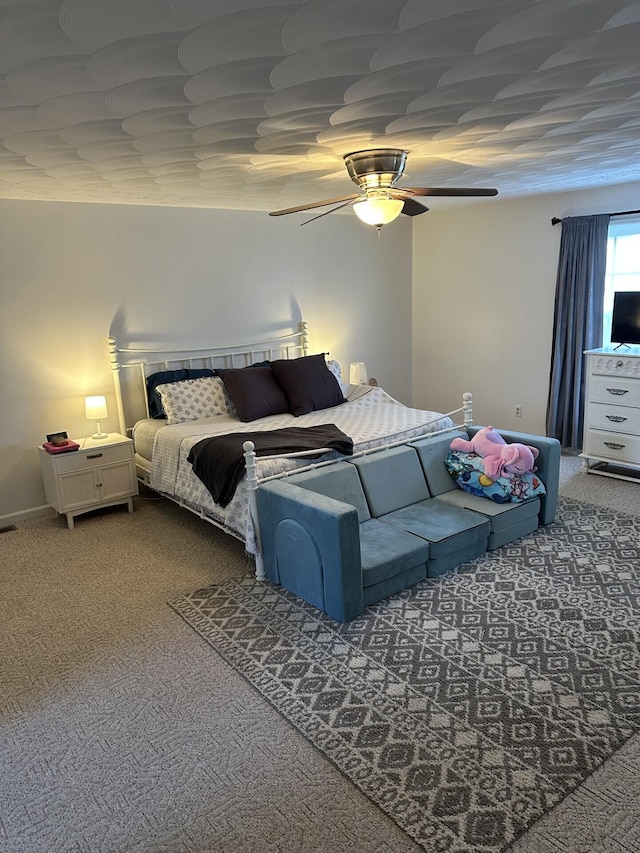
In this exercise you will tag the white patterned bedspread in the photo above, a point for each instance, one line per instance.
(370, 417)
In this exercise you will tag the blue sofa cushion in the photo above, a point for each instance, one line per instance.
(447, 528)
(386, 551)
(391, 479)
(339, 481)
(432, 451)
(389, 586)
(508, 521)
(467, 471)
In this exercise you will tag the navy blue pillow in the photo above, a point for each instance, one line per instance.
(165, 376)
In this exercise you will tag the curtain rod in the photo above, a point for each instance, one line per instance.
(555, 219)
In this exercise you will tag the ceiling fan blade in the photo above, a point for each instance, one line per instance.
(327, 212)
(447, 191)
(413, 207)
(301, 207)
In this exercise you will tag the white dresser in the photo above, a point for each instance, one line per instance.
(611, 444)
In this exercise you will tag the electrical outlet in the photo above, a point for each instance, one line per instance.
(518, 411)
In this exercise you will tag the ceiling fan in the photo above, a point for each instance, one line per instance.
(380, 201)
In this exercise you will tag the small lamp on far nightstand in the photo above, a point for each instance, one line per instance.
(95, 408)
(358, 373)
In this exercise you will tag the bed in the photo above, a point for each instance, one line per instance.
(151, 386)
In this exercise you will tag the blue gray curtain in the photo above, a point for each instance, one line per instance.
(577, 322)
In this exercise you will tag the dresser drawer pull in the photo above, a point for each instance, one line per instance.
(613, 445)
(94, 455)
(616, 419)
(618, 392)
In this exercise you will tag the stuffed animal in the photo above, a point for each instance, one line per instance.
(498, 457)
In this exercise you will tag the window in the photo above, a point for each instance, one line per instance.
(623, 267)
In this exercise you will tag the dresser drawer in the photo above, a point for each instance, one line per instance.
(603, 444)
(614, 364)
(614, 389)
(80, 460)
(605, 416)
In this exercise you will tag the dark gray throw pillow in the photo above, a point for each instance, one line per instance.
(220, 371)
(308, 383)
(255, 392)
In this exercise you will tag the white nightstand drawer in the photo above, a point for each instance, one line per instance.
(614, 389)
(80, 460)
(614, 418)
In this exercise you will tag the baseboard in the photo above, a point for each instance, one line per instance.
(25, 515)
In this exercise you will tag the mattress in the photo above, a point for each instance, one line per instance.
(371, 417)
(144, 436)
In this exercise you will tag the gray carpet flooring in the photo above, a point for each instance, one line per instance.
(122, 731)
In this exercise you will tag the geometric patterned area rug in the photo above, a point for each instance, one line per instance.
(470, 705)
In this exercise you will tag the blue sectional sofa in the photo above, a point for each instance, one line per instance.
(346, 535)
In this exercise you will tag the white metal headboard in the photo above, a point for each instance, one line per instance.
(132, 365)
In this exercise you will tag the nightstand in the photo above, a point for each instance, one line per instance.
(101, 473)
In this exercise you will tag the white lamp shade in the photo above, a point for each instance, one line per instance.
(358, 373)
(95, 408)
(378, 211)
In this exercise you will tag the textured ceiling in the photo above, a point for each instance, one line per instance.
(253, 103)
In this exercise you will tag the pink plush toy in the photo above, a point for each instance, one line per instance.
(497, 455)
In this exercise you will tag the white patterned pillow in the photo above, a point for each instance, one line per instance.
(193, 399)
(334, 367)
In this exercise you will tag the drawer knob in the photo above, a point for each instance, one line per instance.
(613, 445)
(94, 455)
(618, 392)
(616, 419)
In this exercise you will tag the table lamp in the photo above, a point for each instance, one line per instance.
(95, 408)
(358, 373)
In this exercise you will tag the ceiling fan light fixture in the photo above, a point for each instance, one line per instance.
(378, 211)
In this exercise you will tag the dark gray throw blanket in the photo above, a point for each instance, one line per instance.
(219, 461)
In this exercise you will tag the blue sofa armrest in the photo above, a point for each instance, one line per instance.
(311, 546)
(548, 466)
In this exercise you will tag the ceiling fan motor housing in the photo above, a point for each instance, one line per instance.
(379, 168)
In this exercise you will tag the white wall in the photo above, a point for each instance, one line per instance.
(72, 273)
(484, 278)
(482, 306)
